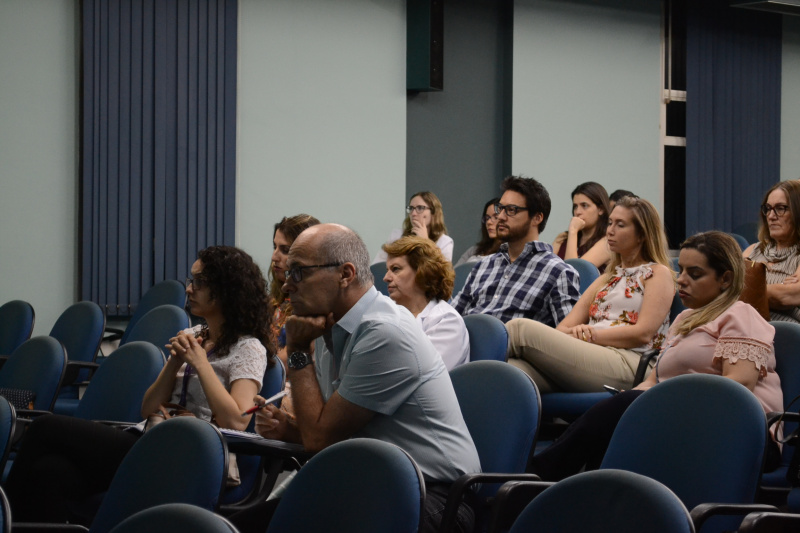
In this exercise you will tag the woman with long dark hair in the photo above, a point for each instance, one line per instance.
(489, 242)
(586, 236)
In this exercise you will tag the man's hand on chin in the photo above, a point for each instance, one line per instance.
(302, 330)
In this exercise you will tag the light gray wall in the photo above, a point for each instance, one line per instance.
(586, 97)
(455, 137)
(321, 116)
(39, 155)
(790, 99)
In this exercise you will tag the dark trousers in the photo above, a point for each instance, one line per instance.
(584, 443)
(255, 519)
(63, 461)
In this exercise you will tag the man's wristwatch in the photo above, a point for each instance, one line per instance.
(298, 360)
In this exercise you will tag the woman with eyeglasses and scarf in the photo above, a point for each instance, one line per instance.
(778, 247)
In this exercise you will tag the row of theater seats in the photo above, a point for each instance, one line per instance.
(69, 352)
(690, 443)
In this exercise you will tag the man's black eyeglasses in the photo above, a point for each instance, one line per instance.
(296, 273)
(510, 210)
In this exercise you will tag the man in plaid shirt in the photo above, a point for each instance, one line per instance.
(524, 278)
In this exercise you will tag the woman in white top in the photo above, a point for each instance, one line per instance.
(623, 313)
(421, 280)
(425, 218)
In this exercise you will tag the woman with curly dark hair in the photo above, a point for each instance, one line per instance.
(228, 291)
(420, 279)
(214, 370)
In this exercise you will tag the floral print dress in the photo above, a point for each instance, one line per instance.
(619, 302)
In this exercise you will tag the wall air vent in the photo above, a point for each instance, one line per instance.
(785, 7)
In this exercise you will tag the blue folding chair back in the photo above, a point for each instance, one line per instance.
(787, 365)
(80, 329)
(701, 435)
(586, 270)
(37, 366)
(748, 231)
(378, 271)
(167, 292)
(158, 326)
(175, 518)
(501, 408)
(16, 325)
(358, 486)
(612, 501)
(117, 388)
(462, 273)
(183, 460)
(741, 241)
(488, 338)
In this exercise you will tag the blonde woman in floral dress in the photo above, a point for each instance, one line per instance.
(623, 313)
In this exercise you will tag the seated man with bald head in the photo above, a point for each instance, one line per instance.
(373, 373)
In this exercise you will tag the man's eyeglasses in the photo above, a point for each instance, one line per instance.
(487, 218)
(780, 209)
(418, 208)
(197, 283)
(296, 273)
(511, 210)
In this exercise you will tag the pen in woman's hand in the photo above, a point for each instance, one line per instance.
(269, 400)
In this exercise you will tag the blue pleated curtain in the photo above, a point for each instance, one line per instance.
(158, 141)
(733, 109)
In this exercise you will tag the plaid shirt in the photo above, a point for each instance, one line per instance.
(539, 285)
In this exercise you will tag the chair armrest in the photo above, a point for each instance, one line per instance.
(704, 511)
(644, 363)
(458, 491)
(27, 415)
(770, 522)
(510, 501)
(74, 368)
(116, 423)
(43, 527)
(113, 334)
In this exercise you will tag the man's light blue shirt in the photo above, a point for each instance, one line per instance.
(377, 356)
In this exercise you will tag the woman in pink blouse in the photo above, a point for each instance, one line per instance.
(717, 335)
(623, 313)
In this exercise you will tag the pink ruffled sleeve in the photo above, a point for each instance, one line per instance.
(743, 334)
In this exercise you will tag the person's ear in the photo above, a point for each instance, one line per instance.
(536, 220)
(727, 279)
(348, 274)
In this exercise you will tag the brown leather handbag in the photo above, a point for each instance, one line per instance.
(755, 287)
